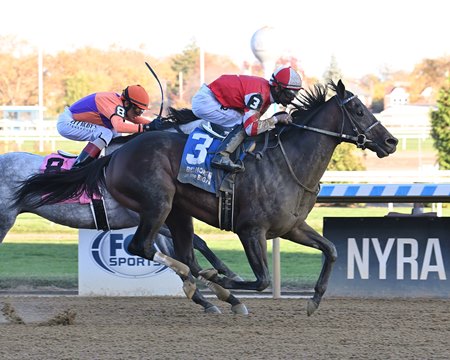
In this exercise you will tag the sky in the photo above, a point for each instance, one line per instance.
(364, 36)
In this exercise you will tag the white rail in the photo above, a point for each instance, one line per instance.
(387, 177)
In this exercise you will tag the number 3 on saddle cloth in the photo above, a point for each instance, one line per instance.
(62, 161)
(195, 168)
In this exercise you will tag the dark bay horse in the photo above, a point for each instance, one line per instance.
(18, 166)
(273, 197)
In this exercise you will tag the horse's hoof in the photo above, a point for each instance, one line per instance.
(311, 307)
(189, 288)
(213, 310)
(208, 274)
(239, 309)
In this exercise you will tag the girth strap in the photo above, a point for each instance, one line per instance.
(99, 213)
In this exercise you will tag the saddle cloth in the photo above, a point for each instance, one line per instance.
(61, 161)
(56, 162)
(195, 167)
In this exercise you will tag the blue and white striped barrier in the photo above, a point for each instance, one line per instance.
(435, 193)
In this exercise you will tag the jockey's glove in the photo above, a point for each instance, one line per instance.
(282, 117)
(156, 124)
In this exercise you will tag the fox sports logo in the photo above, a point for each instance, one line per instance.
(109, 252)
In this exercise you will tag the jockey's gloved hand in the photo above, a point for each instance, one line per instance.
(156, 124)
(282, 117)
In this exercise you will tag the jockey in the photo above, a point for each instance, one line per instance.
(241, 100)
(102, 116)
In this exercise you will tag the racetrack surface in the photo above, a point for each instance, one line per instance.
(74, 327)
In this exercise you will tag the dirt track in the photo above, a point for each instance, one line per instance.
(174, 328)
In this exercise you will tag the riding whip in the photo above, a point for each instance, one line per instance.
(160, 87)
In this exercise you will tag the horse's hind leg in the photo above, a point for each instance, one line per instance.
(182, 230)
(306, 235)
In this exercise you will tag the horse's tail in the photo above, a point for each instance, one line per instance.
(51, 188)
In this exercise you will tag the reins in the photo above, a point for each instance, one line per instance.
(291, 170)
(360, 139)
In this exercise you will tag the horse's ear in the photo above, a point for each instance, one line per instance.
(341, 89)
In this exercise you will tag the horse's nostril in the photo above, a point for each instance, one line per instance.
(391, 141)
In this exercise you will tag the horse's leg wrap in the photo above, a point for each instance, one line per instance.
(180, 269)
(225, 295)
(209, 274)
(221, 293)
(177, 266)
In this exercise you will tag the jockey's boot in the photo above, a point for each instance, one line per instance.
(222, 159)
(90, 152)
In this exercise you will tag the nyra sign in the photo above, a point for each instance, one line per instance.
(106, 268)
(391, 256)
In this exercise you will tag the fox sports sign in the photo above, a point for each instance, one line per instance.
(109, 252)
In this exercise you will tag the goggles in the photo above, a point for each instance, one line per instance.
(138, 110)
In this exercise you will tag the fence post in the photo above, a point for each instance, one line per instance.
(276, 272)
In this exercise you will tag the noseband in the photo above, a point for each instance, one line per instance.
(360, 138)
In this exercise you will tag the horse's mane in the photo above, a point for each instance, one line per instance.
(180, 116)
(311, 99)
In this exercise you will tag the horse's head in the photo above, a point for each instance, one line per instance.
(359, 125)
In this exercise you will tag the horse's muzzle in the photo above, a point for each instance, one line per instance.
(388, 147)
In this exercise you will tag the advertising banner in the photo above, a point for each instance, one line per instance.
(105, 268)
(390, 256)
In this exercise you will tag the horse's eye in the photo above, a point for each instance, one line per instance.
(359, 112)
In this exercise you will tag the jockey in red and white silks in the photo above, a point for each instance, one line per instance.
(241, 100)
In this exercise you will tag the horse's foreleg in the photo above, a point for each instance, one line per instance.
(142, 244)
(7, 219)
(306, 235)
(202, 247)
(163, 243)
(182, 230)
(182, 270)
(225, 295)
(255, 248)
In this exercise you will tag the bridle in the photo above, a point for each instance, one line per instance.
(360, 137)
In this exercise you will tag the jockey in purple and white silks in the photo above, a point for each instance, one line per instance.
(101, 116)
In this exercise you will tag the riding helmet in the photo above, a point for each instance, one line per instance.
(137, 95)
(287, 78)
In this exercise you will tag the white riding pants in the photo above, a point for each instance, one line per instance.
(82, 131)
(206, 107)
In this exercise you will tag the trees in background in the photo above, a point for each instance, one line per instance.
(70, 75)
(427, 78)
(18, 76)
(440, 126)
